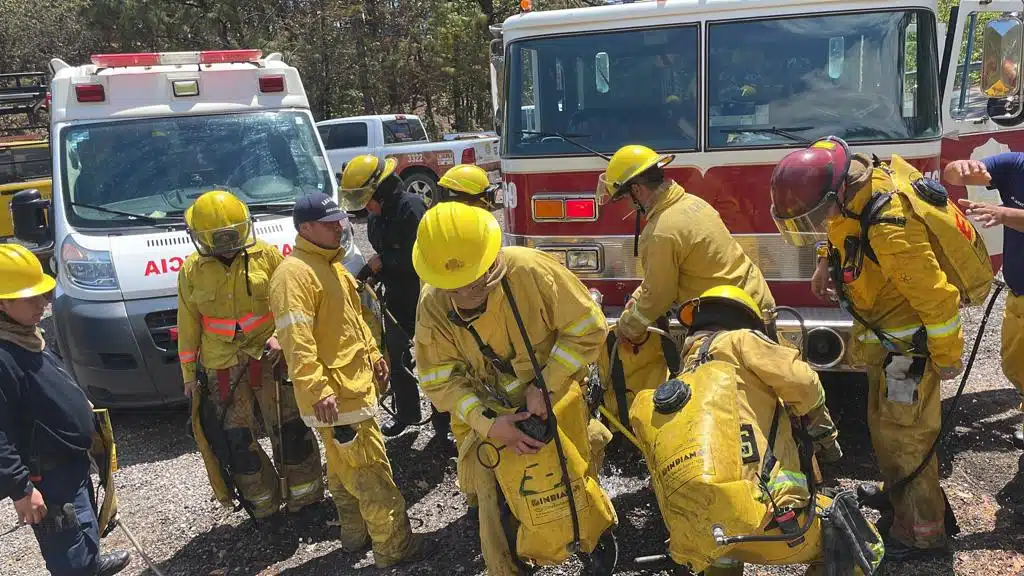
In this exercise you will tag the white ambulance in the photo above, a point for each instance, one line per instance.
(136, 138)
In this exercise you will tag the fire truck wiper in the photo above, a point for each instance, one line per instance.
(568, 138)
(786, 132)
(155, 220)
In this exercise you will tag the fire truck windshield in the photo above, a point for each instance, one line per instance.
(866, 77)
(157, 167)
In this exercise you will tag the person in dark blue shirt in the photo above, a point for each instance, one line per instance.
(46, 429)
(1005, 173)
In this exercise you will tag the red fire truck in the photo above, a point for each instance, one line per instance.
(730, 87)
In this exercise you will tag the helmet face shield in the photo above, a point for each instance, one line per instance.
(807, 228)
(607, 191)
(355, 199)
(226, 240)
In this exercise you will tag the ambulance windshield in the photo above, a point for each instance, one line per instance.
(159, 166)
(866, 77)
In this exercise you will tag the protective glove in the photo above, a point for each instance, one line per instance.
(823, 433)
(900, 384)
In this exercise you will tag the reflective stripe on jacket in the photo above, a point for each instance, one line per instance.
(217, 315)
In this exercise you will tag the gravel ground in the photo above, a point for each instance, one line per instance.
(166, 501)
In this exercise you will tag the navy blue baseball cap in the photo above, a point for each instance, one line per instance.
(317, 207)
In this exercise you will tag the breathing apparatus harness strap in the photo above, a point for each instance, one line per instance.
(618, 376)
(552, 422)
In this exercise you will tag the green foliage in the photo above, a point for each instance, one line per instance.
(429, 57)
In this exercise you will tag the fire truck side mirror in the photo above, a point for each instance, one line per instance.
(29, 211)
(497, 120)
(1001, 57)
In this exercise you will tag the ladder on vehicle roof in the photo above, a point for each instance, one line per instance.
(23, 93)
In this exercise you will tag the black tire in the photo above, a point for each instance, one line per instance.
(423, 184)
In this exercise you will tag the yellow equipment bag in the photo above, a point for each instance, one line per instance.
(959, 248)
(695, 456)
(630, 369)
(104, 453)
(532, 485)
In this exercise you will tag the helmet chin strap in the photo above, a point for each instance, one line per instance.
(640, 212)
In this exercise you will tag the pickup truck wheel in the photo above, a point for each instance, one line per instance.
(422, 184)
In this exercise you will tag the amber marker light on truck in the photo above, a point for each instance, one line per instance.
(564, 208)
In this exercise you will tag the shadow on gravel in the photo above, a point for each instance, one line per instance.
(246, 549)
(417, 472)
(456, 551)
(145, 436)
(1009, 526)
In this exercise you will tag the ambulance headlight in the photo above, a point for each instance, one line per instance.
(88, 269)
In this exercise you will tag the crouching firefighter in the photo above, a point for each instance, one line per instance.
(48, 433)
(730, 444)
(230, 361)
(901, 259)
(505, 340)
(468, 184)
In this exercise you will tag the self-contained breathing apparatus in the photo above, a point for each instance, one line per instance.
(961, 254)
(537, 508)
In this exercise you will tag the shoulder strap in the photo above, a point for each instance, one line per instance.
(497, 362)
(704, 353)
(869, 216)
(669, 349)
(769, 460)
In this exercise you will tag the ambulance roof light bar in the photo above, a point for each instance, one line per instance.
(176, 58)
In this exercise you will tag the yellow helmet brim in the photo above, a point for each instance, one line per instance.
(45, 284)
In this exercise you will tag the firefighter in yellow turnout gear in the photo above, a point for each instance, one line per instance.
(469, 184)
(333, 361)
(227, 347)
(907, 330)
(720, 445)
(685, 247)
(473, 362)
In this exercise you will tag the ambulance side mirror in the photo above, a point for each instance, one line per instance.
(29, 211)
(1001, 58)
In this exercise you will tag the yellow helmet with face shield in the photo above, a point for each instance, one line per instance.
(627, 163)
(360, 178)
(219, 224)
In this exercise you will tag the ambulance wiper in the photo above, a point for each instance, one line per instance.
(273, 208)
(786, 132)
(155, 220)
(568, 138)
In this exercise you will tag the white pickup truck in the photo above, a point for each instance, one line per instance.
(421, 163)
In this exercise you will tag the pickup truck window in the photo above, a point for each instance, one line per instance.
(161, 165)
(348, 135)
(608, 89)
(862, 77)
(24, 163)
(401, 131)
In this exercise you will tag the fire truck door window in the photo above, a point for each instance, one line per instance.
(864, 77)
(605, 90)
(159, 166)
(968, 102)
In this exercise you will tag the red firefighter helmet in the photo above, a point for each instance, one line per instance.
(804, 186)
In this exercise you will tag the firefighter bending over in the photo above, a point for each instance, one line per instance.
(473, 363)
(230, 359)
(884, 268)
(685, 247)
(720, 445)
(333, 361)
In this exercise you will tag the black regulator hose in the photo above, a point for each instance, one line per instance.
(803, 328)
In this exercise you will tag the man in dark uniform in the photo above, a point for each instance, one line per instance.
(367, 183)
